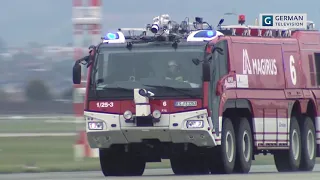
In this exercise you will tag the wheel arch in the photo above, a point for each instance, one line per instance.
(234, 108)
(294, 108)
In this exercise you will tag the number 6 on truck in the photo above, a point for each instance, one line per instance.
(293, 71)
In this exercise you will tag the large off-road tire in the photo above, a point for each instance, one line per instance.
(108, 163)
(181, 166)
(119, 163)
(178, 165)
(222, 158)
(289, 160)
(134, 165)
(244, 146)
(308, 140)
(186, 164)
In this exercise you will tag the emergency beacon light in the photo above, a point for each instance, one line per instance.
(117, 37)
(241, 19)
(111, 36)
(203, 35)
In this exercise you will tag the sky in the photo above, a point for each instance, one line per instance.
(49, 21)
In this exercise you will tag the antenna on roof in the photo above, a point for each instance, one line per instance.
(256, 22)
(311, 25)
(220, 22)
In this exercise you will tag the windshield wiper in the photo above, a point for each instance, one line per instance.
(182, 91)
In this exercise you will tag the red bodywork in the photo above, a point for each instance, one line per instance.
(274, 96)
(165, 106)
(269, 91)
(267, 88)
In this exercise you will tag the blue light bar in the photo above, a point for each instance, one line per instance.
(117, 37)
(111, 36)
(205, 34)
(210, 33)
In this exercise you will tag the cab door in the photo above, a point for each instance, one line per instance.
(219, 67)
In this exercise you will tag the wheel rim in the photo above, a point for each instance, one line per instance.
(295, 144)
(310, 144)
(246, 146)
(229, 146)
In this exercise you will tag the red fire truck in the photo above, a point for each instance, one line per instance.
(229, 94)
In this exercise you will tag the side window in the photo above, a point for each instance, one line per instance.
(317, 70)
(223, 59)
(100, 65)
(313, 73)
(214, 70)
(99, 75)
(219, 62)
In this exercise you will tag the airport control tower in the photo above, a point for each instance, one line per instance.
(86, 21)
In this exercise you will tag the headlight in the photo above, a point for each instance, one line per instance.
(195, 124)
(95, 125)
(127, 115)
(156, 114)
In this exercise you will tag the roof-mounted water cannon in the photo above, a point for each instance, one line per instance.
(241, 19)
(163, 25)
(160, 24)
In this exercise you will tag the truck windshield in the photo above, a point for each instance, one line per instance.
(167, 72)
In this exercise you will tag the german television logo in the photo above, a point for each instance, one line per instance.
(284, 21)
(267, 20)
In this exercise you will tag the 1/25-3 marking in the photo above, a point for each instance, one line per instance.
(104, 104)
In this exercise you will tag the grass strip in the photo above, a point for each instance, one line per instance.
(54, 154)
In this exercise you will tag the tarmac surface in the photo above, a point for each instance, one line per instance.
(257, 173)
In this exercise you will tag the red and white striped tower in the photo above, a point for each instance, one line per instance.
(95, 35)
(95, 27)
(85, 18)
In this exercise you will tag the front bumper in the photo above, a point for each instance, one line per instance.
(171, 128)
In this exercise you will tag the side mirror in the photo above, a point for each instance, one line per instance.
(196, 61)
(76, 73)
(89, 60)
